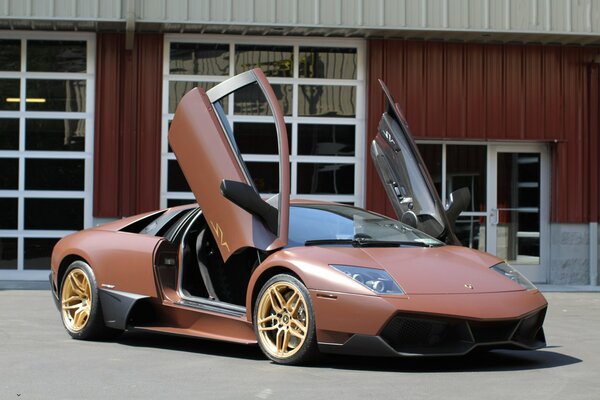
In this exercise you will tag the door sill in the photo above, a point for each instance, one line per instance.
(217, 306)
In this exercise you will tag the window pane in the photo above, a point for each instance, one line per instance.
(9, 175)
(49, 214)
(265, 176)
(199, 59)
(466, 167)
(327, 62)
(9, 134)
(327, 101)
(9, 94)
(55, 95)
(258, 138)
(8, 213)
(56, 56)
(10, 55)
(176, 181)
(273, 60)
(326, 140)
(54, 174)
(250, 100)
(8, 253)
(325, 178)
(55, 134)
(179, 202)
(38, 252)
(432, 156)
(470, 230)
(177, 89)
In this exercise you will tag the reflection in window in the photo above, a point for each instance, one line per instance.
(54, 174)
(273, 60)
(9, 134)
(326, 140)
(10, 55)
(10, 92)
(199, 59)
(55, 134)
(327, 101)
(8, 253)
(56, 56)
(250, 100)
(178, 89)
(327, 62)
(258, 137)
(8, 213)
(54, 214)
(37, 252)
(317, 178)
(55, 95)
(9, 173)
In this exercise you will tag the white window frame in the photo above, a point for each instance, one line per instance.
(358, 160)
(87, 155)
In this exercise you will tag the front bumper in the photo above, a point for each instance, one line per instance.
(425, 335)
(428, 325)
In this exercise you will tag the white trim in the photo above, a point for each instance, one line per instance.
(358, 120)
(22, 154)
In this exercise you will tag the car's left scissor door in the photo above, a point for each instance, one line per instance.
(205, 146)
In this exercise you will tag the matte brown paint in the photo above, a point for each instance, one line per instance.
(342, 307)
(206, 159)
(434, 279)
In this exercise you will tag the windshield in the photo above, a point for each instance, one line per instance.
(335, 222)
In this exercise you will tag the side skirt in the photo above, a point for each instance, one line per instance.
(116, 306)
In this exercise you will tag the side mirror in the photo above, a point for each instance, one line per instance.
(457, 203)
(245, 197)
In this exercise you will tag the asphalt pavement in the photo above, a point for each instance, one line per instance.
(38, 360)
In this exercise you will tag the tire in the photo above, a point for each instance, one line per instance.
(80, 308)
(284, 321)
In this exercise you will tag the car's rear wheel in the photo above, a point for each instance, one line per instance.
(80, 305)
(284, 321)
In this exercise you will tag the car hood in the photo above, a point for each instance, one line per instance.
(418, 270)
(441, 270)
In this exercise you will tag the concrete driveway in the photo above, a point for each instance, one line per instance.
(38, 360)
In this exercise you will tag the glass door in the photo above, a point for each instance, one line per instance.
(518, 197)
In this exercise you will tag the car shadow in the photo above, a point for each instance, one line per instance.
(496, 360)
(190, 345)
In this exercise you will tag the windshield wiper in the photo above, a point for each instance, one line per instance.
(367, 243)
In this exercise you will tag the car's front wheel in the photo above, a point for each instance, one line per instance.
(284, 321)
(80, 305)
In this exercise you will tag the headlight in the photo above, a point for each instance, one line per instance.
(373, 279)
(512, 274)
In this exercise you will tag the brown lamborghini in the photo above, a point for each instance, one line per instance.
(295, 278)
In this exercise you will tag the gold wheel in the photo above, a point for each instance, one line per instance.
(282, 319)
(76, 300)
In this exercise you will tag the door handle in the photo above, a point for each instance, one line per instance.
(494, 216)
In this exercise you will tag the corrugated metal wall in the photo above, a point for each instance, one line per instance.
(565, 16)
(127, 125)
(498, 92)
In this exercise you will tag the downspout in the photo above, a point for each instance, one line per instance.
(129, 24)
(593, 253)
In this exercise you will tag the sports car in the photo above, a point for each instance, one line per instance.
(297, 278)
